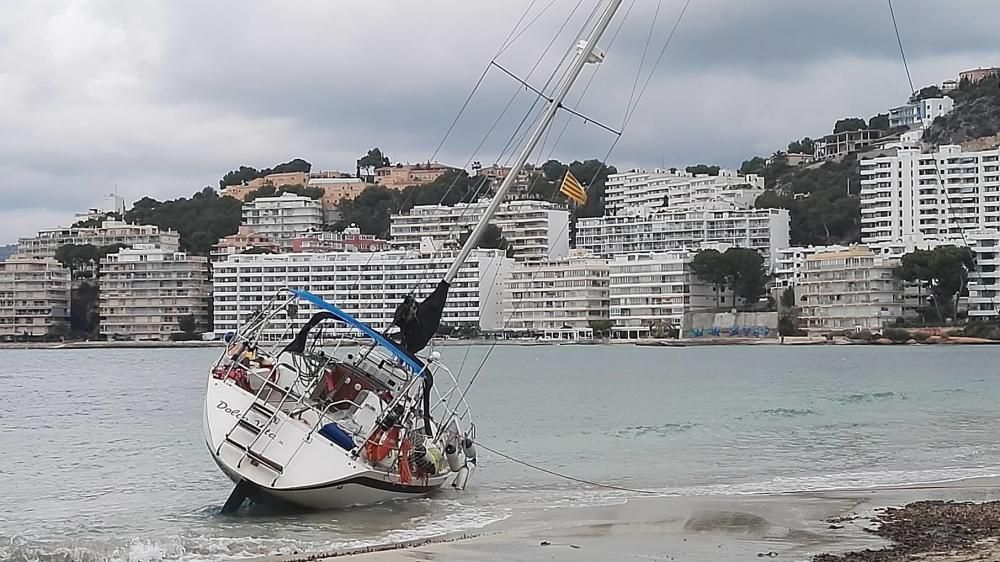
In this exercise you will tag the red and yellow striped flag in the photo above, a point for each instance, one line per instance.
(572, 189)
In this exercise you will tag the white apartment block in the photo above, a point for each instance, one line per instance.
(920, 113)
(145, 291)
(282, 218)
(34, 296)
(789, 263)
(679, 190)
(47, 241)
(641, 230)
(984, 283)
(851, 289)
(536, 230)
(906, 193)
(557, 299)
(650, 293)
(367, 285)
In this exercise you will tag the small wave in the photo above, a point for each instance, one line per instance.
(205, 547)
(664, 429)
(868, 397)
(786, 412)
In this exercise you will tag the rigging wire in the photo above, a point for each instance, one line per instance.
(614, 144)
(899, 41)
(942, 185)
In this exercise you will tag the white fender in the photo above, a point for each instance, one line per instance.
(461, 479)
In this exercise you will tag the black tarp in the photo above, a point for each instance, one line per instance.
(419, 322)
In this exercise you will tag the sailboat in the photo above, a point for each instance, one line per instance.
(323, 425)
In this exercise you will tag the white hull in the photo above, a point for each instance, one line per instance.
(294, 463)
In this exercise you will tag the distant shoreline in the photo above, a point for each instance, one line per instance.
(692, 342)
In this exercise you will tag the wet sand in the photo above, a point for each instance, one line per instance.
(825, 525)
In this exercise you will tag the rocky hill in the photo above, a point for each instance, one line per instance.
(976, 116)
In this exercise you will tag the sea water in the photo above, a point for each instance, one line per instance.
(102, 455)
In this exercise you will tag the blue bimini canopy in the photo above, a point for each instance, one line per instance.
(415, 366)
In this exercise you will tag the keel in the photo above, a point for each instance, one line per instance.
(240, 494)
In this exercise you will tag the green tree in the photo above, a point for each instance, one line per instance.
(754, 165)
(201, 220)
(244, 174)
(374, 159)
(370, 210)
(747, 273)
(787, 299)
(703, 169)
(187, 324)
(58, 330)
(944, 271)
(271, 191)
(601, 327)
(926, 92)
(880, 121)
(492, 238)
(804, 146)
(849, 124)
(85, 316)
(713, 268)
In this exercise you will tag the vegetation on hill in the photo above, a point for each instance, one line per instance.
(705, 169)
(739, 269)
(821, 198)
(271, 191)
(7, 251)
(372, 208)
(373, 159)
(96, 221)
(244, 174)
(201, 220)
(976, 113)
(944, 272)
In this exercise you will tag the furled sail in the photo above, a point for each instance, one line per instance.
(419, 322)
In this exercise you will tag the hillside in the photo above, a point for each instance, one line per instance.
(822, 210)
(7, 251)
(976, 114)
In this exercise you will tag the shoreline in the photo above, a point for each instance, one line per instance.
(790, 341)
(825, 526)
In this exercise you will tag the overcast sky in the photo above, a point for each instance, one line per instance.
(161, 98)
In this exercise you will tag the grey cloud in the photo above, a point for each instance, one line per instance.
(163, 97)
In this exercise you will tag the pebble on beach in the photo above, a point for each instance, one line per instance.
(927, 527)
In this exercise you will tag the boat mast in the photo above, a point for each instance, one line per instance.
(586, 52)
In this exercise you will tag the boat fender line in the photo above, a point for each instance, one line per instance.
(454, 459)
(567, 476)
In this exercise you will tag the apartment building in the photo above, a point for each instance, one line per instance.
(34, 297)
(398, 176)
(47, 241)
(350, 240)
(841, 144)
(536, 230)
(367, 285)
(852, 289)
(984, 283)
(906, 193)
(679, 190)
(789, 263)
(283, 218)
(920, 113)
(557, 299)
(145, 291)
(650, 293)
(643, 230)
(246, 238)
(978, 74)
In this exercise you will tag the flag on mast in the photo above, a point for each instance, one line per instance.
(571, 188)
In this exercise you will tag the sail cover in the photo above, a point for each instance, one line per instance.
(412, 363)
(419, 322)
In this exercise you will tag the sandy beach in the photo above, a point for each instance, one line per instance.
(825, 525)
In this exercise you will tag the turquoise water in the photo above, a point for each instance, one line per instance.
(103, 455)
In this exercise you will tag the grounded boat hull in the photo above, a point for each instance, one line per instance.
(315, 473)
